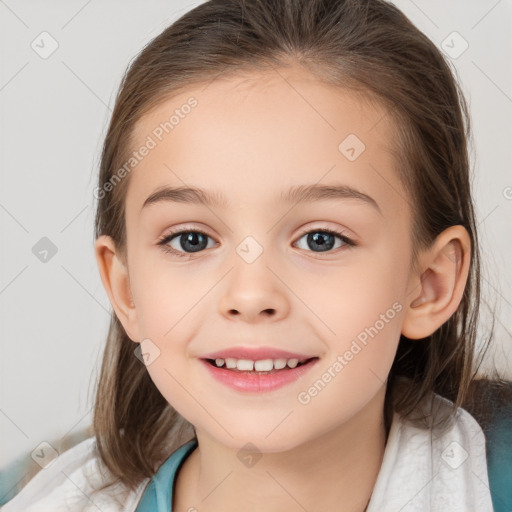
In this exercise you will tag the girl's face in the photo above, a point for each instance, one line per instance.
(266, 273)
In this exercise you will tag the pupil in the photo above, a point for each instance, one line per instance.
(319, 239)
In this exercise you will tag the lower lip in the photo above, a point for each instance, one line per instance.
(258, 383)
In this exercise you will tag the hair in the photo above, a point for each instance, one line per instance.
(369, 46)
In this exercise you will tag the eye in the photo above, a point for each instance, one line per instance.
(185, 242)
(323, 240)
(189, 241)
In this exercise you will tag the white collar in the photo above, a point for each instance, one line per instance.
(433, 470)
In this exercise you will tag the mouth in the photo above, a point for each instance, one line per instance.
(258, 376)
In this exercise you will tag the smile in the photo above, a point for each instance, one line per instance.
(262, 375)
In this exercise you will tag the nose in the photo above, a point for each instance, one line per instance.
(254, 293)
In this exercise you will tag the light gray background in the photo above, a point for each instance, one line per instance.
(54, 315)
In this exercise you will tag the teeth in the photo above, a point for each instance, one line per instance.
(263, 365)
(245, 365)
(279, 364)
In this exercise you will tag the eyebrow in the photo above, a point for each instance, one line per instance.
(296, 194)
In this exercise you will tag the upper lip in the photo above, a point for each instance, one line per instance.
(256, 354)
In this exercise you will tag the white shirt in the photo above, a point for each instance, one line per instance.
(423, 470)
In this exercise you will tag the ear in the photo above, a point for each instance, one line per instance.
(116, 281)
(439, 287)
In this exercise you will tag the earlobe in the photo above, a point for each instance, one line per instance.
(438, 290)
(115, 279)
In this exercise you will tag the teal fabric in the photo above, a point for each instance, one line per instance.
(499, 460)
(157, 496)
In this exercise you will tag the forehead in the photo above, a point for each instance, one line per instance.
(255, 135)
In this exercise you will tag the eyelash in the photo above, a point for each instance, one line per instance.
(167, 238)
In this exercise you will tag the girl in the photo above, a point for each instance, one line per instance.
(286, 235)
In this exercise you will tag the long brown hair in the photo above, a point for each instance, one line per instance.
(368, 45)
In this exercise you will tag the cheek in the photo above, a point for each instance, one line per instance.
(367, 326)
(165, 296)
(363, 306)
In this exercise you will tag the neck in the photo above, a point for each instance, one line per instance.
(335, 471)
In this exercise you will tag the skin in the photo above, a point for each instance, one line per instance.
(251, 137)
